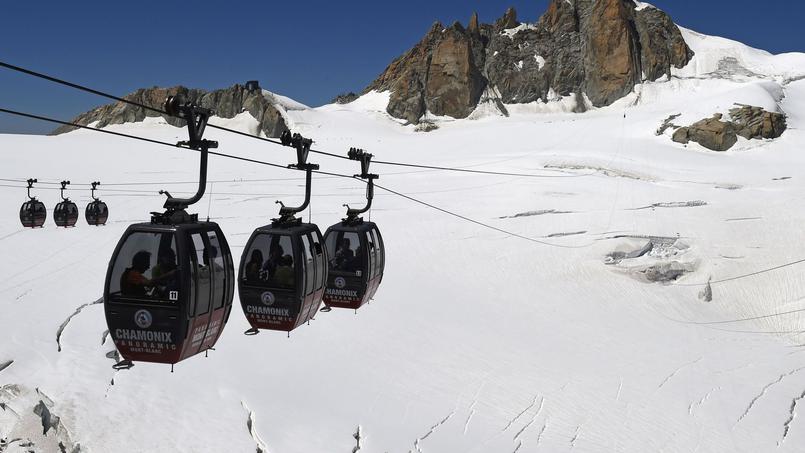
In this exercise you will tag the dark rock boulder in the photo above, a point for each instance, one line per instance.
(746, 121)
(712, 133)
(754, 122)
(226, 103)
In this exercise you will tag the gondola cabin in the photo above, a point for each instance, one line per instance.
(282, 274)
(33, 214)
(66, 212)
(356, 262)
(168, 291)
(97, 213)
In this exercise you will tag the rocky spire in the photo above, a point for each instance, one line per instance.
(473, 27)
(509, 20)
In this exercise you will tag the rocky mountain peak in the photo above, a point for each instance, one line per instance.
(595, 48)
(227, 103)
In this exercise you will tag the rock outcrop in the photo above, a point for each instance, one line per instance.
(754, 122)
(712, 133)
(720, 134)
(594, 48)
(344, 98)
(227, 103)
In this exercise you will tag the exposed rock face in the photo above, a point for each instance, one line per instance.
(227, 103)
(612, 56)
(601, 48)
(454, 82)
(661, 43)
(746, 121)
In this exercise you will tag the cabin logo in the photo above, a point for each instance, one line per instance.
(268, 298)
(340, 282)
(143, 319)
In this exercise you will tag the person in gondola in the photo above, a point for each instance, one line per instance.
(164, 273)
(210, 256)
(284, 275)
(270, 266)
(133, 281)
(253, 266)
(344, 255)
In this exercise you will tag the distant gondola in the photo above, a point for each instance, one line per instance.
(66, 212)
(33, 212)
(284, 264)
(170, 282)
(96, 213)
(356, 251)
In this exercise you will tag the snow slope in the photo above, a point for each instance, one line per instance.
(477, 341)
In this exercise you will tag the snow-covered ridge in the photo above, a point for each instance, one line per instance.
(722, 57)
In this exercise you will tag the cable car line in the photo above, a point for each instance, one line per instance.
(265, 139)
(259, 162)
(479, 223)
(740, 277)
(391, 163)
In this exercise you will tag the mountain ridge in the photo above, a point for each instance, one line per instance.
(594, 49)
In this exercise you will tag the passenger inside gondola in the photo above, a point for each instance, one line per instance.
(284, 274)
(344, 255)
(269, 268)
(165, 272)
(253, 267)
(211, 258)
(133, 281)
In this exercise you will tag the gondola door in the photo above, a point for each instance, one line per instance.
(309, 304)
(219, 262)
(377, 262)
(320, 259)
(201, 275)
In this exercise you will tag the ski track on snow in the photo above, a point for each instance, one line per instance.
(66, 322)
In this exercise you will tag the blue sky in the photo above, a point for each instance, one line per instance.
(309, 51)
